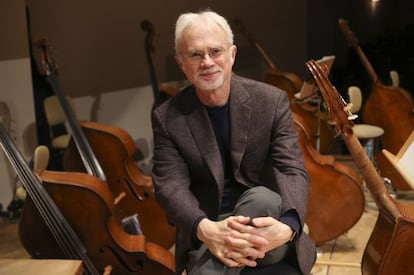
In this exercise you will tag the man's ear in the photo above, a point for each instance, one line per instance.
(178, 61)
(233, 52)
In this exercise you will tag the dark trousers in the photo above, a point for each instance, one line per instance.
(256, 202)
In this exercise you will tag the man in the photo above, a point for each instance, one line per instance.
(228, 168)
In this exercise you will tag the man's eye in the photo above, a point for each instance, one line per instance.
(215, 52)
(196, 55)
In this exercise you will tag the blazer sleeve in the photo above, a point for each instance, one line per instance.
(171, 178)
(287, 160)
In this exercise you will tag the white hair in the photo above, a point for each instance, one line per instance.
(188, 19)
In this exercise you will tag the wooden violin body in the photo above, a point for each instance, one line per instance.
(335, 191)
(388, 107)
(390, 247)
(87, 204)
(115, 149)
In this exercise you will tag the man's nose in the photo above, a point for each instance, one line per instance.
(207, 59)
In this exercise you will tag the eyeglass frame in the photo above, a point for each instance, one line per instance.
(195, 57)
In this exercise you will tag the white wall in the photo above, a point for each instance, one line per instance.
(15, 90)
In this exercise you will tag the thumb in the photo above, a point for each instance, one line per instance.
(263, 221)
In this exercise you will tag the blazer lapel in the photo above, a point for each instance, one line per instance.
(205, 138)
(240, 113)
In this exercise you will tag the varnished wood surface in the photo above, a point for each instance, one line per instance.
(44, 267)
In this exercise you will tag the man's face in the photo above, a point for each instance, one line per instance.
(205, 56)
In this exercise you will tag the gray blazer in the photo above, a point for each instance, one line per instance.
(188, 172)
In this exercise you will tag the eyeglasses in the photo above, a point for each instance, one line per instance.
(196, 57)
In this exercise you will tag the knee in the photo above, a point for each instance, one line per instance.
(259, 201)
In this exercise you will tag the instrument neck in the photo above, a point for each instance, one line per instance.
(88, 157)
(153, 76)
(373, 75)
(267, 59)
(366, 168)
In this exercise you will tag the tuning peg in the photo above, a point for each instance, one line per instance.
(352, 117)
(348, 107)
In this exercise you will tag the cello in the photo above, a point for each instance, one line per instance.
(133, 191)
(335, 191)
(55, 225)
(291, 83)
(390, 247)
(389, 107)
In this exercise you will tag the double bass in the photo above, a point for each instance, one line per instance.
(160, 93)
(335, 191)
(390, 247)
(289, 82)
(115, 149)
(389, 107)
(71, 216)
(320, 133)
(136, 206)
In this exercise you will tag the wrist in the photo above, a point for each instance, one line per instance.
(201, 229)
(292, 236)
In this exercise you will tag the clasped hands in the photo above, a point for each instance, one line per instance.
(240, 241)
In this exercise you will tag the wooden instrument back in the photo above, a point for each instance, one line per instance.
(390, 247)
(335, 191)
(115, 149)
(71, 216)
(88, 205)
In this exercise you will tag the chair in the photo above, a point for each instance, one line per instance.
(395, 78)
(59, 134)
(40, 162)
(369, 135)
(56, 119)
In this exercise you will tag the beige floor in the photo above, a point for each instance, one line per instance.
(341, 256)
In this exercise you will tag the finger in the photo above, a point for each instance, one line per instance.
(243, 226)
(263, 221)
(243, 240)
(230, 262)
(250, 253)
(236, 242)
(234, 254)
(244, 261)
(241, 220)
